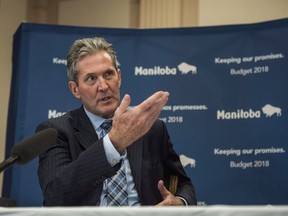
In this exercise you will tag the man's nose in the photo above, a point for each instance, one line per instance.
(102, 84)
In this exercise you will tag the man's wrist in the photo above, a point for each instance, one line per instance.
(112, 154)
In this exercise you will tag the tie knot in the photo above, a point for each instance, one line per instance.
(106, 125)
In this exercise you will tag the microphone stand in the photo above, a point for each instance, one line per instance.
(8, 162)
(5, 202)
(20, 155)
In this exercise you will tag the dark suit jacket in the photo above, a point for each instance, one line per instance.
(71, 172)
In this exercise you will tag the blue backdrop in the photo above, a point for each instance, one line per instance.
(227, 112)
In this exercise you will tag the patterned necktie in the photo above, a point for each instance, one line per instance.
(117, 184)
(105, 127)
(117, 188)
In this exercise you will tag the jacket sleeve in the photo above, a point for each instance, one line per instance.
(70, 174)
(173, 167)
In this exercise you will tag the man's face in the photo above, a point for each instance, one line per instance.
(98, 84)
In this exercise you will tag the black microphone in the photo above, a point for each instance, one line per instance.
(30, 147)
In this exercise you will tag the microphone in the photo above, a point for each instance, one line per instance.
(30, 147)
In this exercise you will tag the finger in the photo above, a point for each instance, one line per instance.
(152, 112)
(124, 104)
(163, 100)
(150, 101)
(157, 107)
(160, 204)
(161, 187)
(164, 95)
(155, 101)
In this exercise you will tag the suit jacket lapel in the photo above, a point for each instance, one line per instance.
(86, 135)
(84, 129)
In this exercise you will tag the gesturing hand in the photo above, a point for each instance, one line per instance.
(168, 198)
(131, 124)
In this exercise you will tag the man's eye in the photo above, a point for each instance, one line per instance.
(90, 78)
(109, 73)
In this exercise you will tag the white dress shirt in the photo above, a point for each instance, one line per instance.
(113, 158)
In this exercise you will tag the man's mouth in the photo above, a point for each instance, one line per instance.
(105, 99)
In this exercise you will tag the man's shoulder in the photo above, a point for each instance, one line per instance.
(64, 119)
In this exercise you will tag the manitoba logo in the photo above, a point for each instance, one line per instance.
(238, 114)
(157, 70)
(268, 110)
(183, 67)
(186, 68)
(187, 161)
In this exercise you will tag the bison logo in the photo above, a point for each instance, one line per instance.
(185, 161)
(270, 110)
(186, 68)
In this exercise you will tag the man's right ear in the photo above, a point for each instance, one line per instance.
(74, 89)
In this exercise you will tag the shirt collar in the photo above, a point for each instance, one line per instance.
(96, 120)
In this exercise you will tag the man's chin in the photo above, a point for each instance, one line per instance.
(108, 113)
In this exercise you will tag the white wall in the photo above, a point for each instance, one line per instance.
(100, 13)
(222, 12)
(12, 13)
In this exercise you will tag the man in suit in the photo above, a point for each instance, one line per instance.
(77, 168)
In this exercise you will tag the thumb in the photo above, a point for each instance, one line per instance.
(124, 104)
(161, 187)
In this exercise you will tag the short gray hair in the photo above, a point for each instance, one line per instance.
(84, 47)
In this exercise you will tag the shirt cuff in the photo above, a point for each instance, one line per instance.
(112, 154)
(184, 200)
